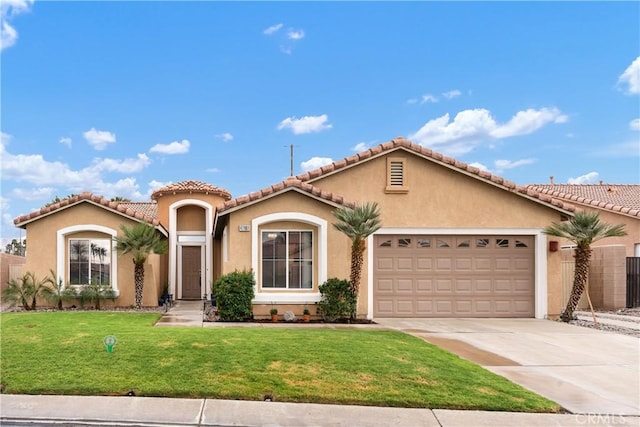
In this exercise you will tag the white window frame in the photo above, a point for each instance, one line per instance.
(61, 253)
(68, 262)
(320, 246)
(287, 259)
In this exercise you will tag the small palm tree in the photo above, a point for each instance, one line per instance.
(57, 292)
(583, 229)
(140, 240)
(18, 292)
(357, 223)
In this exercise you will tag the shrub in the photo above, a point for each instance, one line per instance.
(59, 292)
(234, 292)
(26, 290)
(337, 301)
(96, 293)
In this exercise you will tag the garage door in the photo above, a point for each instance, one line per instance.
(453, 276)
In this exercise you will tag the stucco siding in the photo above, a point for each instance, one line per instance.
(42, 253)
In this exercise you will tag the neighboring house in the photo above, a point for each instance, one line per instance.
(455, 241)
(616, 204)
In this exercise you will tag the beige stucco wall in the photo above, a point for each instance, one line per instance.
(239, 243)
(191, 218)
(41, 255)
(9, 263)
(166, 200)
(607, 282)
(438, 197)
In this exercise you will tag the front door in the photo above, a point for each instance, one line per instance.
(191, 272)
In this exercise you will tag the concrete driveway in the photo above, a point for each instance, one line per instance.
(584, 370)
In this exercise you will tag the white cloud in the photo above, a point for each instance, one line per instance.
(528, 121)
(226, 137)
(273, 29)
(35, 170)
(9, 9)
(5, 139)
(479, 166)
(66, 141)
(126, 187)
(428, 98)
(99, 139)
(174, 147)
(315, 163)
(470, 127)
(306, 124)
(584, 179)
(634, 124)
(452, 94)
(42, 193)
(213, 170)
(502, 165)
(412, 101)
(360, 146)
(123, 166)
(631, 78)
(295, 34)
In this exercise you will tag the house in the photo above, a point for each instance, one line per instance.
(455, 241)
(611, 285)
(615, 203)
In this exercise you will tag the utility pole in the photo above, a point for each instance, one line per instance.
(291, 153)
(290, 159)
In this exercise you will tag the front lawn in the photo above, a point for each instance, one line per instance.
(63, 353)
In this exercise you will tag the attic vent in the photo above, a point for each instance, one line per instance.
(396, 175)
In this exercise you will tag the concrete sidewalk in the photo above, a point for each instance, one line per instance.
(152, 411)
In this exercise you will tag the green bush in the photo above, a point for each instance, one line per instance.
(95, 293)
(337, 301)
(234, 292)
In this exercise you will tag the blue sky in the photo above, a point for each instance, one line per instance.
(119, 98)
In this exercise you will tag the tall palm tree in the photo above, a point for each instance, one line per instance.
(583, 229)
(357, 223)
(140, 240)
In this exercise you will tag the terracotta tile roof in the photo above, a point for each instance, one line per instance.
(286, 185)
(136, 211)
(189, 187)
(622, 198)
(149, 209)
(450, 162)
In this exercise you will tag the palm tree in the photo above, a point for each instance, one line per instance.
(583, 229)
(357, 223)
(140, 240)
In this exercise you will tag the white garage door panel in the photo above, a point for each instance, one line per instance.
(453, 276)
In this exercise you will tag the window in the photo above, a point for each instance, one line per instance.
(396, 175)
(502, 243)
(482, 243)
(89, 260)
(287, 259)
(442, 244)
(424, 243)
(464, 244)
(404, 242)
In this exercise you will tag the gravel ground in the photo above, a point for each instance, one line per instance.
(630, 314)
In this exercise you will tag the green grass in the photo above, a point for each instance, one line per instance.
(63, 353)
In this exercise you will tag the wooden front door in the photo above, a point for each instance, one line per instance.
(191, 272)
